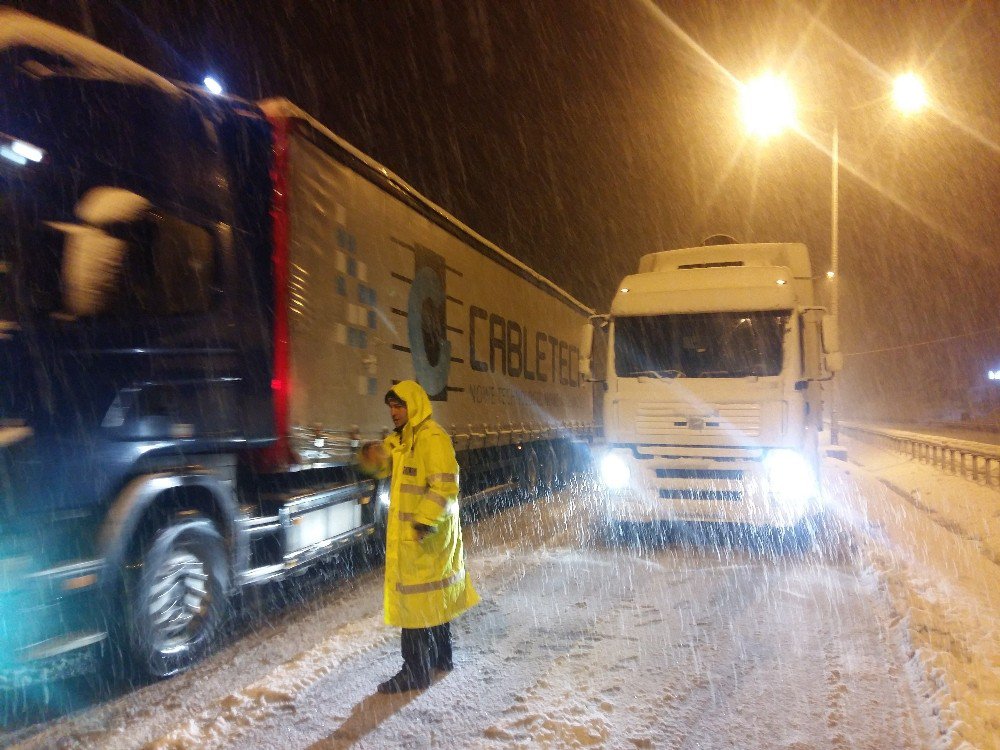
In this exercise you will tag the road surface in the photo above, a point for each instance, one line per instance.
(710, 642)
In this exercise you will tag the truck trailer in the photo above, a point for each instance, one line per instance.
(716, 356)
(202, 304)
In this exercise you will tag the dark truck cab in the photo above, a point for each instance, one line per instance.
(136, 310)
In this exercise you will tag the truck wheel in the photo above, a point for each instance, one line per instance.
(178, 599)
(564, 465)
(529, 482)
(546, 469)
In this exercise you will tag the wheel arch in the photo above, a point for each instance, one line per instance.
(146, 500)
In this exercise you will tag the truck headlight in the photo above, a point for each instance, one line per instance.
(790, 478)
(614, 472)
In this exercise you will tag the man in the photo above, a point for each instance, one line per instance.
(426, 584)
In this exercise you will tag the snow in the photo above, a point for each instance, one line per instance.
(936, 541)
(88, 57)
(882, 637)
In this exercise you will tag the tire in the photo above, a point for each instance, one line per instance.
(177, 600)
(529, 481)
(564, 465)
(546, 469)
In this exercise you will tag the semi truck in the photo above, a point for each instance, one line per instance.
(203, 301)
(716, 358)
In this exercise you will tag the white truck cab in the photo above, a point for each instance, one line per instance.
(715, 360)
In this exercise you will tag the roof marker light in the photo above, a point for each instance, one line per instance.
(29, 152)
(213, 85)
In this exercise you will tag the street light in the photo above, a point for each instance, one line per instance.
(909, 94)
(768, 107)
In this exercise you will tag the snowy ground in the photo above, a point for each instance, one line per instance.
(935, 540)
(882, 639)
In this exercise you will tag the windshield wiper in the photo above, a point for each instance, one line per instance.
(658, 374)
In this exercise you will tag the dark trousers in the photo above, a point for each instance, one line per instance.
(425, 649)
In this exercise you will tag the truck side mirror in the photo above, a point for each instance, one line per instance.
(595, 322)
(831, 334)
(834, 362)
(96, 249)
(586, 352)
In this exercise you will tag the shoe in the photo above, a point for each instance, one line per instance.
(403, 682)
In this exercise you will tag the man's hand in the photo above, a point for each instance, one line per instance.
(422, 530)
(373, 459)
(374, 453)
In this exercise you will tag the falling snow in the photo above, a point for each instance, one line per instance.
(578, 140)
(882, 635)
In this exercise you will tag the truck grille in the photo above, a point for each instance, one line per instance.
(709, 494)
(725, 475)
(660, 422)
(713, 485)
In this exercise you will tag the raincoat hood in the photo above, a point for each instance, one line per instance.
(418, 407)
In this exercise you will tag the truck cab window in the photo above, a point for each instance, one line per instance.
(157, 265)
(182, 260)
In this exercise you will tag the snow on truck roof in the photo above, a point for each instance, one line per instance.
(88, 58)
(791, 255)
(280, 107)
(717, 278)
(725, 289)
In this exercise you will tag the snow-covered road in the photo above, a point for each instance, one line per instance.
(710, 644)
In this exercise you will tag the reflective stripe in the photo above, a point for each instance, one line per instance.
(438, 499)
(443, 478)
(423, 588)
(409, 471)
(407, 516)
(412, 489)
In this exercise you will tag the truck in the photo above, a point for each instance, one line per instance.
(203, 301)
(712, 408)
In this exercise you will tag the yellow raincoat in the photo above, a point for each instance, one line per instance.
(426, 583)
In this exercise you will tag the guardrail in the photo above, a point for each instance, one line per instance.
(978, 462)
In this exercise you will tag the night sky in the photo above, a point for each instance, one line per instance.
(581, 134)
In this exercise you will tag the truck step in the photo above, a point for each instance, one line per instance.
(61, 645)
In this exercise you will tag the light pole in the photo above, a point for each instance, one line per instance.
(768, 107)
(834, 264)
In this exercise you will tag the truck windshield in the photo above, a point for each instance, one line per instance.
(76, 177)
(701, 345)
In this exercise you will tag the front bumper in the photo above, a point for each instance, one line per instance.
(695, 484)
